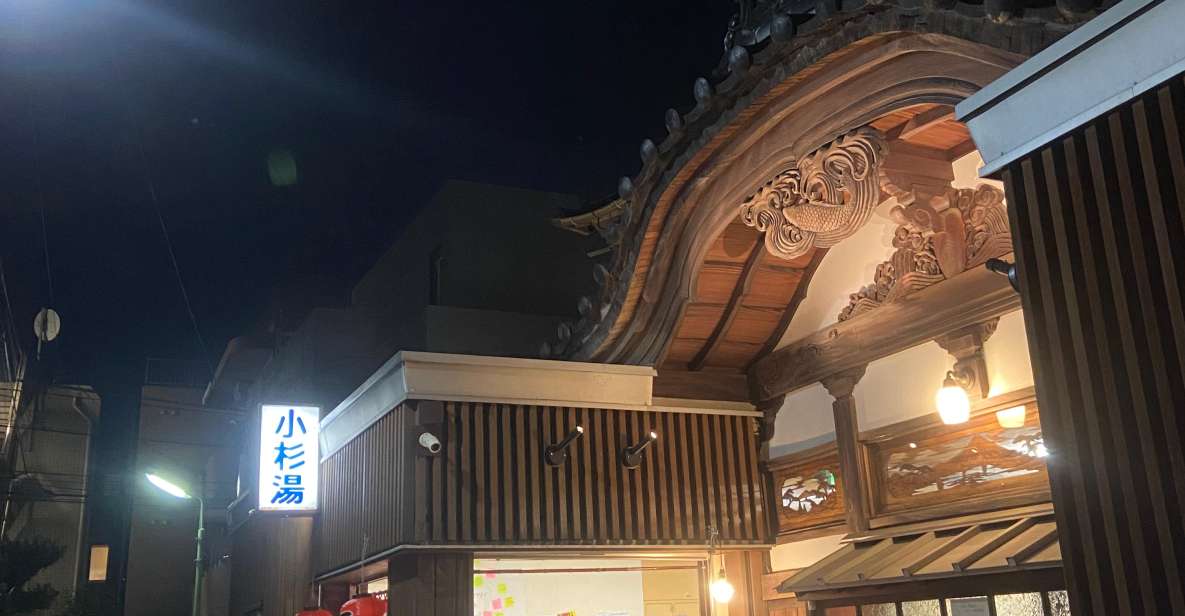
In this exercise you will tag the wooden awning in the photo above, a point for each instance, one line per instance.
(1026, 545)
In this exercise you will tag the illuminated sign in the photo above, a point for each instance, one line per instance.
(288, 456)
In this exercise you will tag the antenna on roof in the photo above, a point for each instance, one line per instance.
(47, 325)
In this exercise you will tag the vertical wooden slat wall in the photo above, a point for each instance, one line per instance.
(1098, 229)
(490, 486)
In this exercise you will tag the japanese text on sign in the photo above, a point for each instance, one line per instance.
(288, 457)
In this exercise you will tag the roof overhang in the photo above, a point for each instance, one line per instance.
(1021, 551)
(1111, 59)
(414, 375)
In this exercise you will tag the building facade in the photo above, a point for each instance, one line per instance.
(824, 366)
(181, 438)
(47, 479)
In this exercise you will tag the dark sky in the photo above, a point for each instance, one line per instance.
(377, 103)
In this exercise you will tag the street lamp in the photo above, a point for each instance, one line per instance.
(177, 491)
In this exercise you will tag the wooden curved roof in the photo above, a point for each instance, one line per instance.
(689, 288)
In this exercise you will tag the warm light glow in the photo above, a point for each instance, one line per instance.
(654, 436)
(1011, 418)
(953, 405)
(98, 565)
(165, 485)
(721, 590)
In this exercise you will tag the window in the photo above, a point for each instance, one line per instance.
(811, 490)
(1052, 603)
(98, 568)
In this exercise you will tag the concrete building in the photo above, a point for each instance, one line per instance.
(46, 472)
(195, 445)
(465, 276)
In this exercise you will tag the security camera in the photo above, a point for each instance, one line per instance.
(430, 442)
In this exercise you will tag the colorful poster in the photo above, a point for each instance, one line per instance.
(496, 595)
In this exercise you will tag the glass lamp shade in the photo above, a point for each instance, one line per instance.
(1011, 418)
(721, 590)
(953, 405)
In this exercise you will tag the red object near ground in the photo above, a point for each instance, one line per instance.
(314, 612)
(364, 605)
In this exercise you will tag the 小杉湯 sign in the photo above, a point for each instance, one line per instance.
(288, 457)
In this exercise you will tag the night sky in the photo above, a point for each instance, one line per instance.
(377, 103)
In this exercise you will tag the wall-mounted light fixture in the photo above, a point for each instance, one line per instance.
(631, 457)
(968, 380)
(954, 407)
(557, 454)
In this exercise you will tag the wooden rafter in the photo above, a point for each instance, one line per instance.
(920, 123)
(739, 293)
(787, 315)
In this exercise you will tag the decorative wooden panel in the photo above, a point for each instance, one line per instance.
(1100, 244)
(491, 487)
(808, 490)
(974, 466)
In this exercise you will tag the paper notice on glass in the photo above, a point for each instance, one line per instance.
(973, 606)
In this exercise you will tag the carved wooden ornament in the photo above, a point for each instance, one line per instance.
(935, 242)
(823, 199)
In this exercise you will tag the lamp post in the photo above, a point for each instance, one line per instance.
(174, 490)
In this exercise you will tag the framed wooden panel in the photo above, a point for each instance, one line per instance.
(808, 491)
(925, 469)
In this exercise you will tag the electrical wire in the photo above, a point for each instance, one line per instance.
(36, 155)
(137, 138)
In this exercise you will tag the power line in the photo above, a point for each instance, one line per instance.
(151, 185)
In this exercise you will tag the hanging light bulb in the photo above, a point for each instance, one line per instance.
(1011, 418)
(721, 589)
(953, 405)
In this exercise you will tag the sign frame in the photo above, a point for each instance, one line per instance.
(289, 440)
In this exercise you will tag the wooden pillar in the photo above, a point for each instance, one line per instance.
(1100, 249)
(430, 584)
(769, 415)
(847, 439)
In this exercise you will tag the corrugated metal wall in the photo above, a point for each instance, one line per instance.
(490, 485)
(1100, 243)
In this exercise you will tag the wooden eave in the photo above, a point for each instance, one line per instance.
(940, 554)
(592, 221)
(632, 280)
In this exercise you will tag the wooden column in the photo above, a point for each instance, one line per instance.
(769, 415)
(1100, 245)
(431, 584)
(847, 439)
